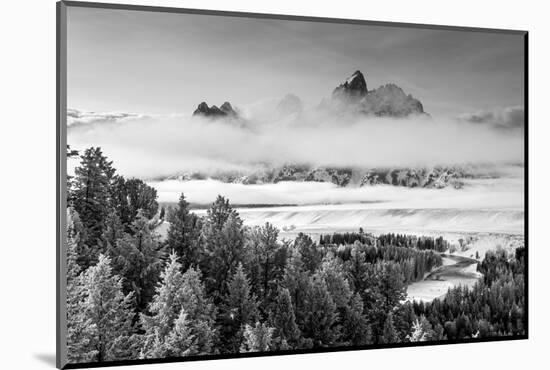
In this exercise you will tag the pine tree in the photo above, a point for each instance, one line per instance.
(79, 328)
(286, 334)
(357, 270)
(257, 338)
(322, 316)
(178, 343)
(141, 197)
(403, 317)
(129, 196)
(384, 291)
(240, 300)
(181, 341)
(138, 258)
(355, 328)
(183, 234)
(311, 255)
(223, 238)
(263, 264)
(332, 272)
(389, 334)
(90, 196)
(114, 230)
(200, 311)
(393, 288)
(76, 231)
(119, 201)
(373, 300)
(464, 326)
(179, 294)
(296, 280)
(219, 213)
(166, 304)
(241, 308)
(108, 312)
(73, 269)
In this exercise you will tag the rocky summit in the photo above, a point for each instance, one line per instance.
(226, 110)
(385, 101)
(350, 97)
(355, 87)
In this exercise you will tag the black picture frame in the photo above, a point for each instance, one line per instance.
(61, 170)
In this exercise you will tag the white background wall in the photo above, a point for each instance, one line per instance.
(27, 205)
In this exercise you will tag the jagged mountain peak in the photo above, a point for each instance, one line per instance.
(355, 86)
(388, 100)
(203, 107)
(226, 110)
(356, 77)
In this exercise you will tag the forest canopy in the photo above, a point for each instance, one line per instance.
(216, 286)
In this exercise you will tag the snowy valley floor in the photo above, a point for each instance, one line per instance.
(472, 232)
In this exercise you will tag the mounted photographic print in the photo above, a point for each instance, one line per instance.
(235, 185)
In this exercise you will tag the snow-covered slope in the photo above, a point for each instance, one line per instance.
(323, 219)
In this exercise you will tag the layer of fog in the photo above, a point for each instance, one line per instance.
(156, 146)
(501, 193)
(482, 206)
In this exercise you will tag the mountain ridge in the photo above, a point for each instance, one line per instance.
(436, 177)
(350, 96)
(225, 110)
(387, 100)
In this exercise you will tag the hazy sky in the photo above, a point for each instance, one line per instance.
(160, 63)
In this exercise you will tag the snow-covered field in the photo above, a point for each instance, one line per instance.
(350, 217)
(490, 193)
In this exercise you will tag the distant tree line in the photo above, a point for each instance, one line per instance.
(215, 286)
(398, 240)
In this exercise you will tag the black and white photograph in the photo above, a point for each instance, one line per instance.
(241, 185)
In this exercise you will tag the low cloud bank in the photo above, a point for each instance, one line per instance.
(76, 117)
(155, 146)
(505, 118)
(499, 193)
